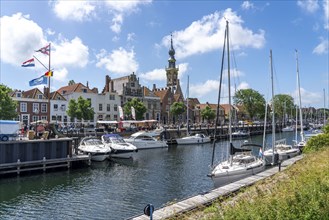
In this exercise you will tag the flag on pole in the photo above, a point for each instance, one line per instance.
(45, 50)
(39, 81)
(28, 63)
(49, 73)
(133, 113)
(121, 113)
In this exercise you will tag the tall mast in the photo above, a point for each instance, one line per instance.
(187, 107)
(49, 77)
(273, 107)
(300, 101)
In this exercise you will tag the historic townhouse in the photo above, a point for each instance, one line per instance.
(32, 105)
(105, 104)
(128, 87)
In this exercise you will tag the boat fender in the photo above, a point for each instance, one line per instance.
(148, 210)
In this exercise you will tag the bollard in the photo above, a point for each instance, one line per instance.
(279, 164)
(148, 210)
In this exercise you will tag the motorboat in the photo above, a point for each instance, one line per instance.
(194, 139)
(145, 140)
(288, 129)
(242, 165)
(284, 151)
(240, 134)
(94, 147)
(119, 147)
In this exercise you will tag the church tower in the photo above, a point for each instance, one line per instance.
(171, 70)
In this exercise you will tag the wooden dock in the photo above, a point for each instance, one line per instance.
(208, 197)
(43, 164)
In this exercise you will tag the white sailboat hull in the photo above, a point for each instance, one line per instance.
(193, 140)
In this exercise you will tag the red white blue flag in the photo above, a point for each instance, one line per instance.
(28, 63)
(45, 50)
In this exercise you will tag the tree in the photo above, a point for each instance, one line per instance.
(139, 107)
(252, 101)
(71, 82)
(208, 113)
(177, 108)
(283, 104)
(80, 109)
(8, 106)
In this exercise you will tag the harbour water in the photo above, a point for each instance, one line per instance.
(114, 189)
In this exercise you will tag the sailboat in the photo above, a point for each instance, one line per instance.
(280, 149)
(241, 162)
(300, 145)
(198, 138)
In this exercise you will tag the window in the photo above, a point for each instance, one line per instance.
(63, 107)
(84, 90)
(115, 117)
(40, 96)
(108, 107)
(132, 84)
(23, 107)
(35, 108)
(55, 107)
(53, 117)
(100, 117)
(35, 118)
(18, 95)
(63, 92)
(43, 117)
(112, 97)
(44, 107)
(115, 108)
(100, 107)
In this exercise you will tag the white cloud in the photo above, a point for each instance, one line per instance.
(160, 74)
(70, 53)
(203, 89)
(61, 75)
(243, 85)
(322, 48)
(246, 5)
(19, 38)
(310, 6)
(308, 98)
(207, 34)
(119, 61)
(74, 10)
(121, 8)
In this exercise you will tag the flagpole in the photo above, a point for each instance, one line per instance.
(49, 86)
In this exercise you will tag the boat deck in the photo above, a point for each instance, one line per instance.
(208, 197)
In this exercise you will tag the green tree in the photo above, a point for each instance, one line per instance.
(283, 104)
(8, 106)
(71, 82)
(139, 107)
(80, 109)
(208, 113)
(177, 108)
(252, 101)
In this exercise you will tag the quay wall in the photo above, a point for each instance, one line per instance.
(33, 150)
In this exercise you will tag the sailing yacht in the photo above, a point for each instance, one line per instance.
(280, 150)
(241, 162)
(198, 138)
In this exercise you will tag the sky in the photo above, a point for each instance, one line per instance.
(92, 39)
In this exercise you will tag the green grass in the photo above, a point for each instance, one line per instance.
(299, 192)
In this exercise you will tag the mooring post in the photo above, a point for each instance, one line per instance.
(44, 164)
(18, 166)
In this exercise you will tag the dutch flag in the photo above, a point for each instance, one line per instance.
(28, 63)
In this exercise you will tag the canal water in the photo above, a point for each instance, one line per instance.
(114, 189)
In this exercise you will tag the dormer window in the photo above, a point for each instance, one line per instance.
(84, 90)
(40, 96)
(63, 92)
(19, 94)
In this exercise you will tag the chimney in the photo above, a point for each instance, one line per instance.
(46, 91)
(87, 85)
(112, 86)
(154, 87)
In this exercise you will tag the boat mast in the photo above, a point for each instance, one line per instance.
(273, 108)
(229, 93)
(300, 101)
(218, 101)
(187, 107)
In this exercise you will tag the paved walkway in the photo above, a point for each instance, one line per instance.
(207, 198)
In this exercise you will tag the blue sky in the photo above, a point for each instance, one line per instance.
(91, 39)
